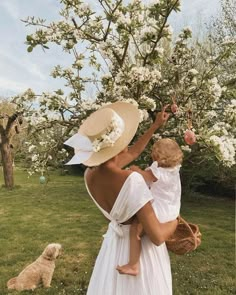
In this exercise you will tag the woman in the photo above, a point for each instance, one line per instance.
(102, 143)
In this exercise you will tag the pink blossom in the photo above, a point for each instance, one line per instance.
(174, 108)
(189, 137)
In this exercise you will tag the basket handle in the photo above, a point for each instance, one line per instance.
(182, 220)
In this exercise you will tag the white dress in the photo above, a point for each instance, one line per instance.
(155, 272)
(166, 192)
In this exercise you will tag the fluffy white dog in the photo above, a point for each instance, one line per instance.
(40, 271)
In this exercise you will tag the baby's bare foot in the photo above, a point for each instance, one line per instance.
(128, 269)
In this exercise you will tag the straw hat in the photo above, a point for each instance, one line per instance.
(104, 134)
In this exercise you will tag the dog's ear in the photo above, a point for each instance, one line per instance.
(49, 252)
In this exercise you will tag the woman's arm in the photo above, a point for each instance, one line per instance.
(138, 147)
(156, 231)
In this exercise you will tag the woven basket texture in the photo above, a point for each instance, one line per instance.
(186, 238)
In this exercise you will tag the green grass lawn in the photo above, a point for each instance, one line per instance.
(34, 215)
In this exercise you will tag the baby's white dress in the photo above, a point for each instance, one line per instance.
(155, 272)
(166, 192)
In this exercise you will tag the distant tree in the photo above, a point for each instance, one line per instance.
(223, 26)
(223, 33)
(10, 125)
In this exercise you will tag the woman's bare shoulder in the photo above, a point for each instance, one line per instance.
(113, 177)
(119, 176)
(119, 171)
(126, 172)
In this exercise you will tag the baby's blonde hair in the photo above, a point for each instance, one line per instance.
(167, 153)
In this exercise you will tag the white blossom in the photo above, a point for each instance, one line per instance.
(194, 81)
(79, 63)
(193, 72)
(187, 30)
(168, 30)
(148, 102)
(186, 148)
(228, 40)
(225, 147)
(143, 115)
(84, 8)
(215, 88)
(131, 100)
(34, 157)
(160, 50)
(154, 2)
(143, 74)
(147, 31)
(157, 136)
(211, 114)
(31, 148)
(88, 105)
(124, 19)
(230, 112)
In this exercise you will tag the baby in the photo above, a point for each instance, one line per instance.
(164, 181)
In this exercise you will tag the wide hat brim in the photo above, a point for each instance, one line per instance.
(131, 116)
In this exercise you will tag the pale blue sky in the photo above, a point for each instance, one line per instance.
(20, 70)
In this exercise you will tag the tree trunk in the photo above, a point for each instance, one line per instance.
(7, 163)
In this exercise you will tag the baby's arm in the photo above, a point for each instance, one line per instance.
(147, 174)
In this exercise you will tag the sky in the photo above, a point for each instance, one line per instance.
(20, 70)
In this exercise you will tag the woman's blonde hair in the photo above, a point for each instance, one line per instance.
(167, 153)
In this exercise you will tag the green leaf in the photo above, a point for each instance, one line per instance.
(28, 38)
(30, 49)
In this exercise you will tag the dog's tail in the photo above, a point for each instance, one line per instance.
(11, 283)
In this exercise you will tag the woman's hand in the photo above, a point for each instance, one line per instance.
(161, 117)
(139, 146)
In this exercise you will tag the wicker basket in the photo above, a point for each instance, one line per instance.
(186, 238)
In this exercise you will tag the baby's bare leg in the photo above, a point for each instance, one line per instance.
(132, 268)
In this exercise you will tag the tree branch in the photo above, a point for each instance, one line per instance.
(104, 38)
(28, 23)
(2, 130)
(86, 34)
(10, 123)
(160, 33)
(136, 45)
(124, 53)
(100, 1)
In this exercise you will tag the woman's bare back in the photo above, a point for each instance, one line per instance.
(105, 183)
